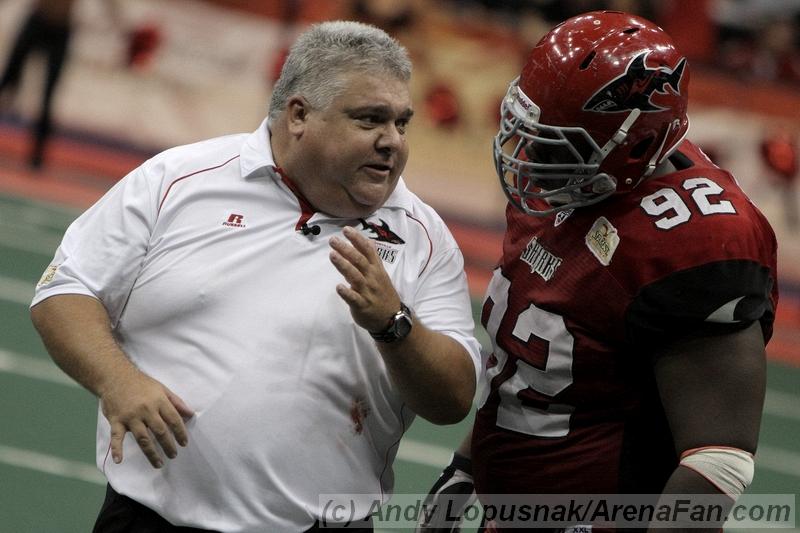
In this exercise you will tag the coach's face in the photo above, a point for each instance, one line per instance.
(353, 151)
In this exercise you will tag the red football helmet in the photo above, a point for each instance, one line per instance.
(601, 101)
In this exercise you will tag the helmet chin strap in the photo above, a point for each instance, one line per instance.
(653, 163)
(618, 138)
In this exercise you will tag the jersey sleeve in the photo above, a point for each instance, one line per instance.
(715, 274)
(715, 297)
(442, 301)
(103, 250)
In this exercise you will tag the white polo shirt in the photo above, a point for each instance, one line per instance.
(213, 291)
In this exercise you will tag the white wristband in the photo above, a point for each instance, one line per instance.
(728, 469)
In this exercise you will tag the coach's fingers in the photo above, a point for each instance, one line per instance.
(118, 431)
(172, 416)
(163, 435)
(351, 297)
(365, 246)
(146, 443)
(350, 254)
(346, 268)
(184, 410)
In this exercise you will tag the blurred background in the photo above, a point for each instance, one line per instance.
(140, 76)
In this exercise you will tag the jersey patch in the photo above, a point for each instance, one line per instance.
(602, 240)
(540, 260)
(48, 275)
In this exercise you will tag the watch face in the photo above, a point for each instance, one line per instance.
(402, 327)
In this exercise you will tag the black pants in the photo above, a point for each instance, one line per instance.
(120, 514)
(38, 35)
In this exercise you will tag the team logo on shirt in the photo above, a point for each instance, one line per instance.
(384, 238)
(540, 260)
(635, 88)
(602, 240)
(380, 233)
(235, 221)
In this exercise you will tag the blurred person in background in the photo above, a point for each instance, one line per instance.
(779, 153)
(757, 38)
(47, 30)
(278, 304)
(635, 295)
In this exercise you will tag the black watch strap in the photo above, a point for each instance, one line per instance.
(398, 328)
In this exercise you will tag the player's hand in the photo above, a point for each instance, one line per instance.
(450, 496)
(151, 412)
(369, 291)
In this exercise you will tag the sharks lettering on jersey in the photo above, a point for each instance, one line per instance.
(385, 239)
(540, 259)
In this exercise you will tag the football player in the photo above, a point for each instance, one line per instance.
(636, 291)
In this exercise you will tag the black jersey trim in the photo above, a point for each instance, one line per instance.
(679, 305)
(681, 161)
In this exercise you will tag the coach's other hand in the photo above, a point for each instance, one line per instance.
(138, 403)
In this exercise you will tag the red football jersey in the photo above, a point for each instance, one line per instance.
(574, 310)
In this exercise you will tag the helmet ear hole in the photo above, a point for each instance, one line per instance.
(586, 62)
(638, 151)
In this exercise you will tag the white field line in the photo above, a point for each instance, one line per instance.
(782, 404)
(25, 216)
(34, 368)
(778, 404)
(15, 290)
(36, 210)
(50, 464)
(28, 239)
(769, 458)
(778, 460)
(414, 451)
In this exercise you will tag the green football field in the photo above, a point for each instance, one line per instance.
(48, 481)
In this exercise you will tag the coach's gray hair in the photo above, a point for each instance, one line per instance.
(318, 59)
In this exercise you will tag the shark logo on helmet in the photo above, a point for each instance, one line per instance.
(635, 88)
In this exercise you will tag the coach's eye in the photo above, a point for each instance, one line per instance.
(369, 120)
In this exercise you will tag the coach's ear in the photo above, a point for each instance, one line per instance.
(297, 109)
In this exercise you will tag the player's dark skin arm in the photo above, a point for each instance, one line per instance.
(712, 389)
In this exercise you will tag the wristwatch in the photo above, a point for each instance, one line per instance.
(398, 328)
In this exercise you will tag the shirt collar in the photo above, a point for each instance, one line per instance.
(255, 157)
(256, 160)
(401, 197)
